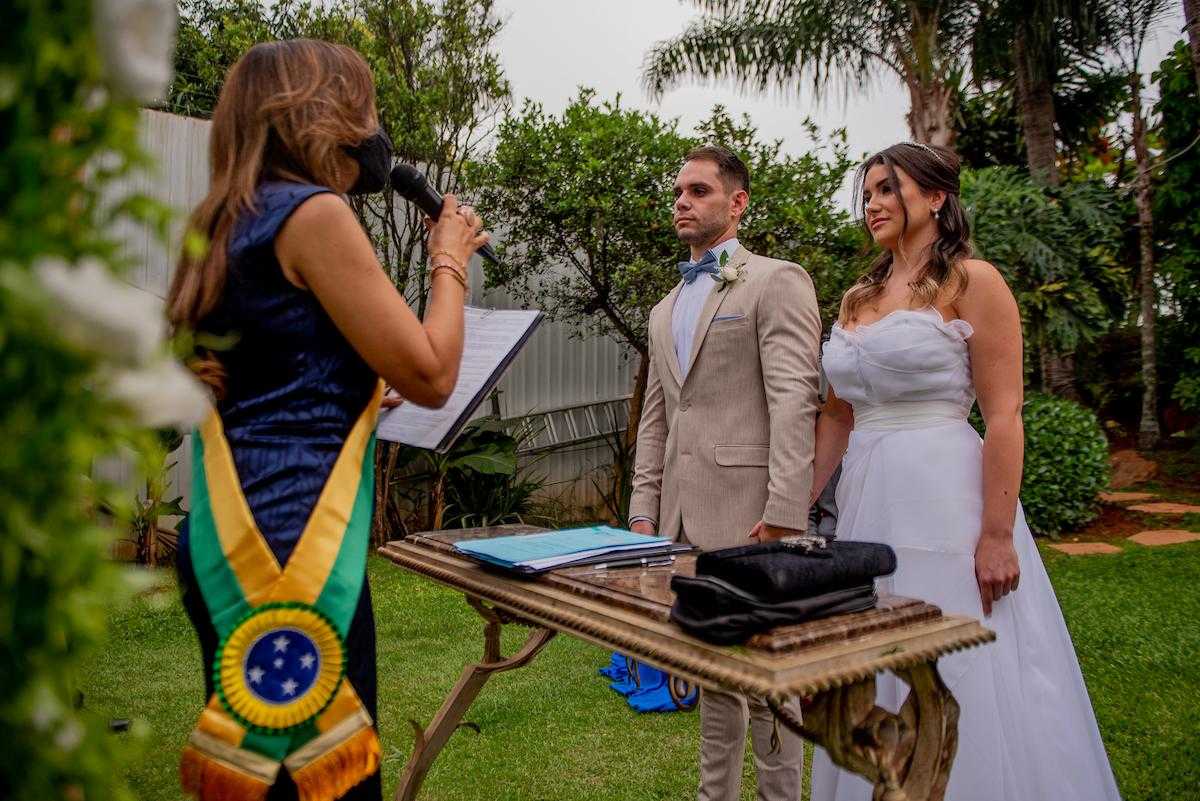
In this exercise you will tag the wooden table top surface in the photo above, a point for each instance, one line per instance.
(627, 609)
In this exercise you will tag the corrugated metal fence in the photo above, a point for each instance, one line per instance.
(554, 372)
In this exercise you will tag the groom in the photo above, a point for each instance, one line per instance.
(725, 444)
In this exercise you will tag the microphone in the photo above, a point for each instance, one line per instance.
(411, 184)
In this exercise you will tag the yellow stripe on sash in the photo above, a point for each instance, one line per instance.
(215, 722)
(312, 560)
(246, 551)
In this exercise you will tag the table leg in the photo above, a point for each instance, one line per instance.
(429, 741)
(906, 755)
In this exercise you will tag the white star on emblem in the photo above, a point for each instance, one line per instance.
(256, 675)
(280, 643)
(278, 663)
(289, 687)
(307, 660)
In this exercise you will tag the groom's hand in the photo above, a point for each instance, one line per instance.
(642, 527)
(765, 532)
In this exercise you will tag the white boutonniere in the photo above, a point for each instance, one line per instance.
(727, 274)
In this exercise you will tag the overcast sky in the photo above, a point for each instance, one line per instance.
(551, 47)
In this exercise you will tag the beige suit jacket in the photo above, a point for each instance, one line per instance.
(733, 443)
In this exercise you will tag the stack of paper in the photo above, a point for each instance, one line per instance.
(534, 553)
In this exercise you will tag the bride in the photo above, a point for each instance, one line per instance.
(919, 337)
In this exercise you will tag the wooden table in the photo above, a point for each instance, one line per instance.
(830, 664)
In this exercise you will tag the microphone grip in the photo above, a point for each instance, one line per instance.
(430, 202)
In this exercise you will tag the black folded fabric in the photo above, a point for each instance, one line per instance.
(718, 612)
(775, 572)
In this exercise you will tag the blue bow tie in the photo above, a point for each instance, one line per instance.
(691, 269)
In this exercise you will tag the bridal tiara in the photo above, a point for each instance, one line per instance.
(928, 150)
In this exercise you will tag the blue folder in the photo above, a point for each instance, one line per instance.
(535, 553)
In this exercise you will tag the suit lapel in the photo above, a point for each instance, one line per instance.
(712, 305)
(666, 338)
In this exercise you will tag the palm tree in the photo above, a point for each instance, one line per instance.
(774, 43)
(1191, 16)
(1129, 24)
(1031, 41)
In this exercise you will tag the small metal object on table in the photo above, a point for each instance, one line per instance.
(830, 663)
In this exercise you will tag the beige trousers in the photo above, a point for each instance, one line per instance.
(723, 721)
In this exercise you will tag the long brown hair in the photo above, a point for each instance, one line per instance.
(933, 168)
(284, 113)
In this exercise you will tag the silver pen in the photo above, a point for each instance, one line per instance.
(645, 561)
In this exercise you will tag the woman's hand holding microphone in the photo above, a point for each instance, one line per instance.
(456, 235)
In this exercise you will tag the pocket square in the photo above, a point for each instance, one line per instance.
(727, 317)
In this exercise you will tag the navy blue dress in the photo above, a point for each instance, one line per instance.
(294, 388)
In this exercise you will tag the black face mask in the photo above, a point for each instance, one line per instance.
(374, 158)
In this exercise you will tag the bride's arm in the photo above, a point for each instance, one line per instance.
(989, 306)
(834, 424)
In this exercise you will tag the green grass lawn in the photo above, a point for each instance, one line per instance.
(553, 730)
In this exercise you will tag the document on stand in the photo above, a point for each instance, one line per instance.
(492, 339)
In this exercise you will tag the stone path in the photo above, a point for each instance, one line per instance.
(1166, 536)
(1126, 497)
(1163, 508)
(1084, 548)
(1150, 538)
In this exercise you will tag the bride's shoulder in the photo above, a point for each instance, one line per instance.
(985, 289)
(981, 268)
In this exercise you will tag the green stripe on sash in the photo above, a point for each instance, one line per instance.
(339, 598)
(221, 589)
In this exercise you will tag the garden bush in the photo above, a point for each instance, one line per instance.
(1066, 464)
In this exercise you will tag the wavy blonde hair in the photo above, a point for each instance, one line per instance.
(933, 168)
(284, 113)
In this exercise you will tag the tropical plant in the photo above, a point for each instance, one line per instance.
(1177, 226)
(478, 478)
(1057, 248)
(152, 504)
(776, 43)
(490, 498)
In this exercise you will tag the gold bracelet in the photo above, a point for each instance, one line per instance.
(457, 276)
(462, 274)
(448, 255)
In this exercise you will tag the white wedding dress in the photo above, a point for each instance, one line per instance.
(912, 478)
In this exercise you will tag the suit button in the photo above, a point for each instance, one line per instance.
(683, 407)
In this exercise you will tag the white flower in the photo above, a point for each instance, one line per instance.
(136, 40)
(729, 273)
(46, 709)
(161, 394)
(69, 736)
(98, 313)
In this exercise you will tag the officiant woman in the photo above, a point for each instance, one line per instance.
(296, 324)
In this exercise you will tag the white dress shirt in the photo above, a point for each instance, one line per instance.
(690, 302)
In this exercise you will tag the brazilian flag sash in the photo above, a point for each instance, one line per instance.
(281, 694)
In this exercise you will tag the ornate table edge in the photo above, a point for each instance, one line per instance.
(920, 642)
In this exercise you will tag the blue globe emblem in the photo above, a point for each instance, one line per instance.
(281, 666)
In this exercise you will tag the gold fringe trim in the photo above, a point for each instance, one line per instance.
(332, 774)
(210, 779)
